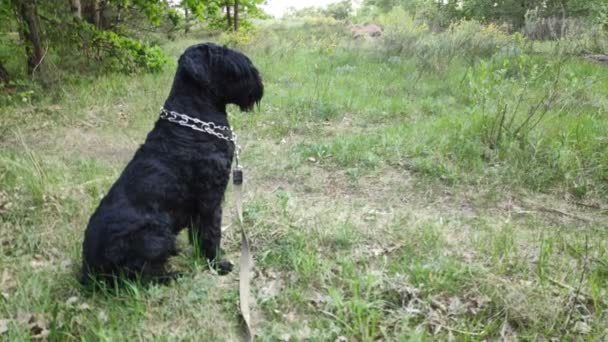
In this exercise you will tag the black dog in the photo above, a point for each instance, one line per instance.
(177, 178)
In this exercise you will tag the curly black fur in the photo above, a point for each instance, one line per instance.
(177, 178)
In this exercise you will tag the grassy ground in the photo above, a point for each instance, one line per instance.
(377, 204)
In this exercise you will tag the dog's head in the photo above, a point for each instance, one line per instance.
(228, 75)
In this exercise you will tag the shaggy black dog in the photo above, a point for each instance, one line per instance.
(177, 178)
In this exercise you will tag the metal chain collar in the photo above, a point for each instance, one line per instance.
(205, 127)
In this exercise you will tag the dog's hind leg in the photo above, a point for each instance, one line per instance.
(149, 250)
(206, 232)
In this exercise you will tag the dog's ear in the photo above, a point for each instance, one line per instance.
(195, 64)
(194, 69)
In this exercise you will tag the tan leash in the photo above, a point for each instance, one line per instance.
(245, 261)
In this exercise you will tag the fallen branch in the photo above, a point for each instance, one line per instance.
(597, 58)
(462, 332)
(557, 211)
(563, 213)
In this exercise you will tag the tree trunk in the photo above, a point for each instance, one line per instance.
(4, 76)
(119, 14)
(103, 5)
(76, 9)
(228, 18)
(96, 16)
(32, 34)
(186, 21)
(236, 15)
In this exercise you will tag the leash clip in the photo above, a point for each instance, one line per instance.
(237, 175)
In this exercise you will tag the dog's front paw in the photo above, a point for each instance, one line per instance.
(223, 267)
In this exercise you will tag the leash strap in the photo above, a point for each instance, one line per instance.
(245, 260)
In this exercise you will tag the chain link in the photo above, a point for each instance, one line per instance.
(205, 127)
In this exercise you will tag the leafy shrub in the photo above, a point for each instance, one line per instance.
(594, 39)
(575, 34)
(400, 31)
(125, 54)
(319, 22)
(323, 35)
(114, 51)
(18, 91)
(532, 116)
(338, 11)
(474, 40)
(238, 38)
(540, 27)
(467, 39)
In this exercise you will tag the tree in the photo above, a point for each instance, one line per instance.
(339, 10)
(100, 29)
(384, 5)
(440, 13)
(32, 33)
(232, 14)
(4, 75)
(76, 9)
(228, 17)
(236, 15)
(94, 13)
(187, 21)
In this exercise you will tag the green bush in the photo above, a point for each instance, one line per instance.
(434, 51)
(124, 54)
(539, 118)
(401, 34)
(18, 91)
(238, 38)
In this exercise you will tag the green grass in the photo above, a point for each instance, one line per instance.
(376, 205)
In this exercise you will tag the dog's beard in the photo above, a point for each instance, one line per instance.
(253, 99)
(248, 107)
